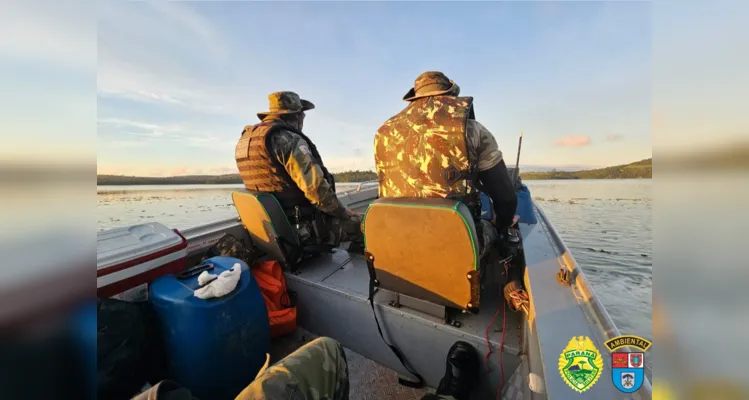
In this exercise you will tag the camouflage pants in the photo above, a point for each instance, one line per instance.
(351, 229)
(317, 370)
(341, 230)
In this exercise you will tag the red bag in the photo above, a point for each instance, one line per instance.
(281, 311)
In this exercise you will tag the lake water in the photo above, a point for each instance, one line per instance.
(607, 224)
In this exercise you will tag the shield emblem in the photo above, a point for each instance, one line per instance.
(628, 380)
(635, 360)
(627, 371)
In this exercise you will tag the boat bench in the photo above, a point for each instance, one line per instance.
(422, 248)
(425, 248)
(266, 223)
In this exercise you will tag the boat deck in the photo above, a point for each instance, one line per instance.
(333, 289)
(368, 380)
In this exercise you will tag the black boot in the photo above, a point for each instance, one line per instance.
(356, 247)
(461, 372)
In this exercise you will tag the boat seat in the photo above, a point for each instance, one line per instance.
(424, 248)
(270, 229)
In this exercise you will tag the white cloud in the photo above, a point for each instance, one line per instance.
(113, 131)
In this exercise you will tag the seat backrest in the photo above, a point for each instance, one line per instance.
(265, 221)
(425, 248)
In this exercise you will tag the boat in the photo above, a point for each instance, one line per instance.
(332, 292)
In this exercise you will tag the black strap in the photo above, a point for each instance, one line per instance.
(372, 284)
(196, 270)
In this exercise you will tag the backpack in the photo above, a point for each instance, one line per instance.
(280, 303)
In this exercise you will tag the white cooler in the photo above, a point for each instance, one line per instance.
(128, 258)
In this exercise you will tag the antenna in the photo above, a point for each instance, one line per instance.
(516, 173)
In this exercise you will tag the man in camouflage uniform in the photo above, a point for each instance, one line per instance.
(275, 157)
(317, 370)
(434, 148)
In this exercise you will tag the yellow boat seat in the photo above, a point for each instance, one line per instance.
(270, 229)
(424, 248)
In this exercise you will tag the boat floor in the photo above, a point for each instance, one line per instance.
(332, 292)
(370, 380)
(367, 379)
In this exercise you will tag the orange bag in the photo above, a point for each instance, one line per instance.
(281, 311)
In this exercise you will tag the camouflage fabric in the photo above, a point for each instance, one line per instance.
(417, 149)
(229, 246)
(285, 103)
(299, 161)
(317, 370)
(432, 83)
(259, 170)
(337, 230)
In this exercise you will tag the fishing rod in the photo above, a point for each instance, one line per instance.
(516, 173)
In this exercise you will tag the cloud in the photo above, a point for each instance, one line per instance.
(119, 131)
(147, 53)
(160, 171)
(223, 170)
(573, 141)
(614, 137)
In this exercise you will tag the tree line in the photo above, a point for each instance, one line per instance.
(348, 176)
(639, 169)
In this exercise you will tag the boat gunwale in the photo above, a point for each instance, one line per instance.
(590, 304)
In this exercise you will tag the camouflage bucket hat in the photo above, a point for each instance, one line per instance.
(285, 103)
(431, 83)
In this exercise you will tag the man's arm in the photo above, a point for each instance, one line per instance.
(294, 154)
(493, 173)
(498, 186)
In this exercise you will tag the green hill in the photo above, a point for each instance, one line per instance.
(640, 169)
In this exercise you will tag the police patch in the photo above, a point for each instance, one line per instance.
(580, 364)
(628, 368)
(305, 150)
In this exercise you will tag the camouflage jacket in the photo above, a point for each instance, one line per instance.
(293, 152)
(420, 151)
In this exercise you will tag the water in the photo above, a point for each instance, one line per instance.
(607, 224)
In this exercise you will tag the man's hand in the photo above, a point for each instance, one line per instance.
(515, 220)
(351, 213)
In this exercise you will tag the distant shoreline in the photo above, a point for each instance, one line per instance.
(638, 170)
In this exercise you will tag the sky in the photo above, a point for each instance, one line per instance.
(172, 84)
(178, 82)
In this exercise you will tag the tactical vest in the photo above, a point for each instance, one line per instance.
(422, 151)
(262, 172)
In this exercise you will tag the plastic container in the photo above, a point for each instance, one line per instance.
(525, 206)
(128, 258)
(214, 347)
(487, 207)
